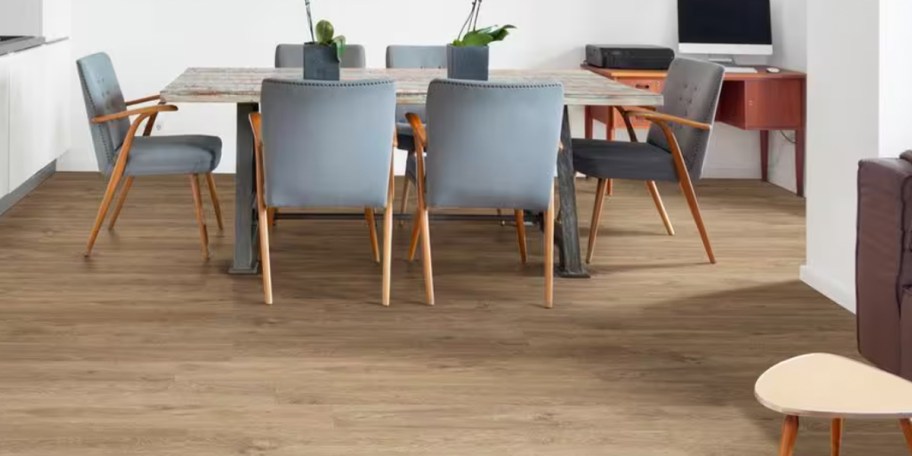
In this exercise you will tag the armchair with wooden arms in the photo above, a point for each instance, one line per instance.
(123, 155)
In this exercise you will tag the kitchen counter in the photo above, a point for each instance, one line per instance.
(9, 44)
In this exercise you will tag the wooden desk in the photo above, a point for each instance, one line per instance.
(242, 86)
(761, 102)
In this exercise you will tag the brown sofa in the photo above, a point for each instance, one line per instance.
(884, 263)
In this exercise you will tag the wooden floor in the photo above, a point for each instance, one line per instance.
(145, 350)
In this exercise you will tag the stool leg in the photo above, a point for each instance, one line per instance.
(836, 437)
(789, 436)
(907, 431)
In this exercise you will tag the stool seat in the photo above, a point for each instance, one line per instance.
(830, 386)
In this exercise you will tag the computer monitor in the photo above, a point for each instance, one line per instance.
(728, 27)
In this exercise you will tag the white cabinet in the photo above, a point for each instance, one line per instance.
(47, 18)
(39, 130)
(4, 124)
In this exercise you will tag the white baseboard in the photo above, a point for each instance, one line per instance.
(835, 291)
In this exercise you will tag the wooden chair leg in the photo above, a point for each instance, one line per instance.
(103, 211)
(906, 426)
(403, 205)
(215, 201)
(372, 226)
(521, 234)
(200, 217)
(789, 436)
(609, 190)
(691, 196)
(265, 260)
(271, 216)
(549, 253)
(836, 436)
(426, 256)
(660, 206)
(388, 241)
(600, 192)
(416, 236)
(124, 191)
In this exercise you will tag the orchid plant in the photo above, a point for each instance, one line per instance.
(471, 35)
(324, 34)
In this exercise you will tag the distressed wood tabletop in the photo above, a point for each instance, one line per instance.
(243, 85)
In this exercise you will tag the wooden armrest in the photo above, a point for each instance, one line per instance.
(149, 110)
(144, 100)
(659, 116)
(256, 122)
(418, 129)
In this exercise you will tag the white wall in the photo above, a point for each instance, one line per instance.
(871, 96)
(175, 34)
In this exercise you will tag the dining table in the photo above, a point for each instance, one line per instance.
(242, 87)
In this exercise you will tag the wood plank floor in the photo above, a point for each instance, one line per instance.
(146, 350)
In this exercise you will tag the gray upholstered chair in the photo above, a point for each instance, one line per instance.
(307, 156)
(674, 150)
(123, 154)
(292, 56)
(495, 146)
(415, 57)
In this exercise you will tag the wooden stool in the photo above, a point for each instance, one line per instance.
(833, 387)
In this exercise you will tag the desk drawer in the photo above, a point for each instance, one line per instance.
(771, 104)
(651, 85)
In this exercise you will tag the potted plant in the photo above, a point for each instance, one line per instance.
(323, 54)
(468, 56)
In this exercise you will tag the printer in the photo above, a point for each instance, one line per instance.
(629, 57)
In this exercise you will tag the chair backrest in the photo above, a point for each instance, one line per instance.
(495, 144)
(292, 56)
(417, 57)
(103, 96)
(691, 91)
(312, 155)
(407, 56)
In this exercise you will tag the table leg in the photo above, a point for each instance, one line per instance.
(836, 436)
(567, 234)
(589, 121)
(764, 155)
(800, 141)
(906, 426)
(789, 436)
(245, 229)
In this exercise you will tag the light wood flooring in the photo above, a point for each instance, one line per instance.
(146, 350)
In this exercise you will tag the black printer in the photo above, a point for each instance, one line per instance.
(629, 57)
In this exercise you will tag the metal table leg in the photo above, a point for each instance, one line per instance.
(245, 230)
(567, 230)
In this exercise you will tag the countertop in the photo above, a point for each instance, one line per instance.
(20, 44)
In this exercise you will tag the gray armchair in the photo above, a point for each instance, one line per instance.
(292, 56)
(674, 150)
(495, 146)
(420, 57)
(306, 155)
(123, 155)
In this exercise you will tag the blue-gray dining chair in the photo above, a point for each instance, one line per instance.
(307, 156)
(674, 151)
(292, 56)
(121, 153)
(495, 146)
(412, 57)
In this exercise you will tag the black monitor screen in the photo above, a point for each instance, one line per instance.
(725, 22)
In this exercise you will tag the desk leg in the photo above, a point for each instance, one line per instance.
(589, 122)
(764, 155)
(800, 141)
(245, 230)
(567, 234)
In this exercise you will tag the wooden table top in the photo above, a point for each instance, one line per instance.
(243, 85)
(830, 386)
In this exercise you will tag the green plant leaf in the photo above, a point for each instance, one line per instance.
(325, 32)
(339, 43)
(501, 33)
(477, 39)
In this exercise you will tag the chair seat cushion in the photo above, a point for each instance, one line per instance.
(163, 155)
(623, 160)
